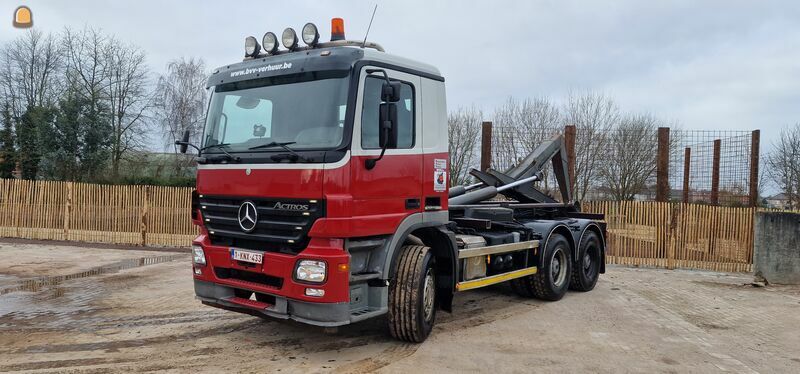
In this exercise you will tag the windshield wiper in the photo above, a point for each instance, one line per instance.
(220, 146)
(284, 145)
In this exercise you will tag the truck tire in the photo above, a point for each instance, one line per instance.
(412, 295)
(587, 265)
(551, 281)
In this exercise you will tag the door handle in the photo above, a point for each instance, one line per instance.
(412, 203)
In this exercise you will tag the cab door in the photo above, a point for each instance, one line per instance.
(392, 190)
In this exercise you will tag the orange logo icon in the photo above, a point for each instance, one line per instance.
(23, 18)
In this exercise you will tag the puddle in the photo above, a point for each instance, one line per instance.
(54, 301)
(37, 284)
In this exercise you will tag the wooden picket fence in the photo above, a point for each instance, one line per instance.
(667, 235)
(677, 235)
(137, 215)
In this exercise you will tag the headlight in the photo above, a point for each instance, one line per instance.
(270, 43)
(198, 256)
(289, 38)
(251, 47)
(310, 271)
(310, 34)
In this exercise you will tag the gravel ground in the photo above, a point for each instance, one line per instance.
(87, 309)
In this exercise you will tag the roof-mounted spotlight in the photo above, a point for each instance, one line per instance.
(289, 38)
(251, 47)
(270, 43)
(310, 34)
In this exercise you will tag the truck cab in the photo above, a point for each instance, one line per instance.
(283, 173)
(322, 195)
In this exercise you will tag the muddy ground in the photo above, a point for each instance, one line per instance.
(85, 310)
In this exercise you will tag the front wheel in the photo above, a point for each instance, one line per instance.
(412, 295)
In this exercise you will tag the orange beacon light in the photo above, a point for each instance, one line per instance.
(23, 18)
(337, 29)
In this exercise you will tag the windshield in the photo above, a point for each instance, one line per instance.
(303, 111)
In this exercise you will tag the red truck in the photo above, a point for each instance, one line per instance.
(322, 195)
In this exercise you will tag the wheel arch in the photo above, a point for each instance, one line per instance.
(443, 246)
(442, 242)
(564, 231)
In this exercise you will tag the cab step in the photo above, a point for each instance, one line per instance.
(253, 304)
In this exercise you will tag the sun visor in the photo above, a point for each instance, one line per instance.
(290, 63)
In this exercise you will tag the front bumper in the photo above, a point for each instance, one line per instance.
(275, 275)
(319, 314)
(286, 298)
(342, 303)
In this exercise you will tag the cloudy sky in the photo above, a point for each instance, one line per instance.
(732, 65)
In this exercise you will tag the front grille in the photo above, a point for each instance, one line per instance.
(249, 276)
(282, 224)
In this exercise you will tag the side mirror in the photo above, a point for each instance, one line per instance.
(390, 92)
(184, 142)
(387, 132)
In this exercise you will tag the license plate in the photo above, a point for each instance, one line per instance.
(247, 256)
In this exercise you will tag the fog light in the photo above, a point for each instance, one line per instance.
(310, 271)
(315, 292)
(198, 256)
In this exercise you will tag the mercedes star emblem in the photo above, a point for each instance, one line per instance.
(248, 216)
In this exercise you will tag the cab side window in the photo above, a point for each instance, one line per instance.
(370, 116)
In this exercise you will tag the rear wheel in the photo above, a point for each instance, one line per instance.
(551, 281)
(587, 265)
(412, 295)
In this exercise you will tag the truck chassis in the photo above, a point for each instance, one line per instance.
(541, 246)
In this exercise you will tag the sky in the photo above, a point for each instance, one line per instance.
(707, 65)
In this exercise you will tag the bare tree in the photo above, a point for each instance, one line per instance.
(463, 129)
(505, 146)
(87, 63)
(129, 99)
(88, 77)
(29, 75)
(180, 99)
(594, 115)
(30, 81)
(631, 161)
(522, 126)
(784, 163)
(113, 77)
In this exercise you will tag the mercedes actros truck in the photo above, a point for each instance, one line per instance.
(322, 195)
